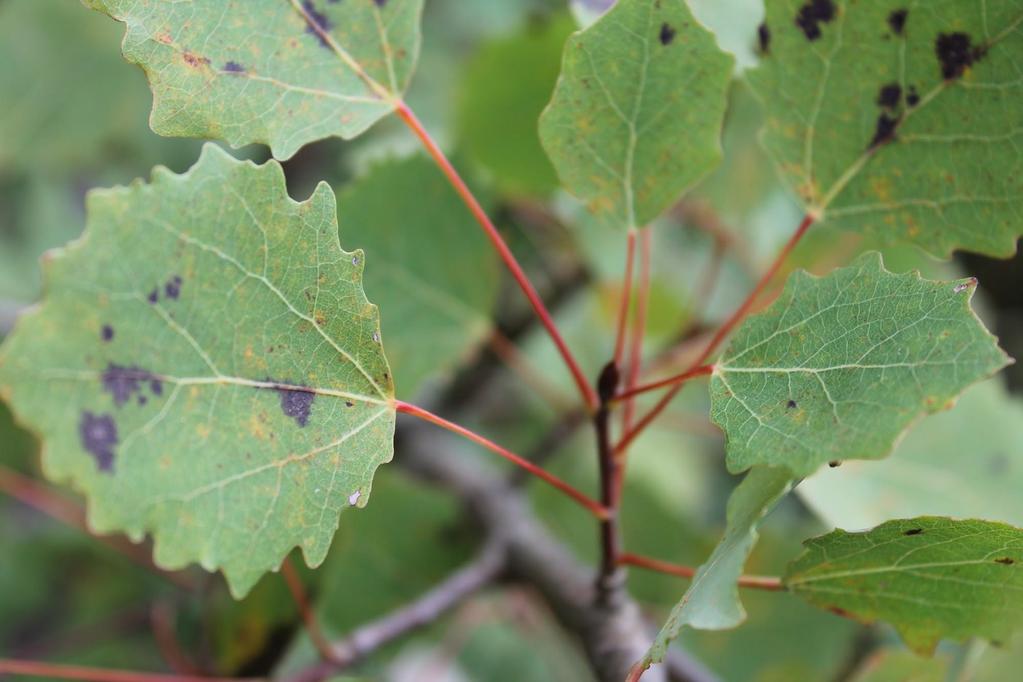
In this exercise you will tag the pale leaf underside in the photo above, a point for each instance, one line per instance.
(839, 366)
(637, 112)
(280, 72)
(206, 368)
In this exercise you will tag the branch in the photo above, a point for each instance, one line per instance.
(423, 611)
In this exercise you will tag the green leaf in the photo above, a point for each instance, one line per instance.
(712, 600)
(221, 380)
(900, 119)
(967, 463)
(839, 366)
(506, 86)
(930, 577)
(636, 116)
(434, 273)
(272, 71)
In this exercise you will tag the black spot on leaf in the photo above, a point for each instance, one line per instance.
(885, 131)
(106, 332)
(956, 53)
(667, 34)
(764, 38)
(379, 3)
(318, 22)
(173, 287)
(835, 464)
(792, 404)
(912, 98)
(913, 531)
(234, 67)
(98, 435)
(897, 21)
(1005, 561)
(154, 295)
(889, 95)
(812, 15)
(296, 402)
(123, 383)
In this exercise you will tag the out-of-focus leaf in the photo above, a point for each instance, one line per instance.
(506, 86)
(280, 73)
(620, 128)
(712, 600)
(900, 119)
(222, 382)
(434, 273)
(930, 577)
(838, 367)
(967, 463)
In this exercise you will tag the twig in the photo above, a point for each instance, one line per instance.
(298, 594)
(758, 582)
(594, 507)
(607, 385)
(423, 611)
(80, 672)
(626, 300)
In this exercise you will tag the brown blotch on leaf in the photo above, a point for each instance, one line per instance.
(1005, 561)
(913, 531)
(194, 60)
(835, 463)
(812, 14)
(667, 34)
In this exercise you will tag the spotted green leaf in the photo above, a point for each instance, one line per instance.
(219, 370)
(434, 274)
(712, 600)
(636, 115)
(930, 577)
(900, 119)
(839, 366)
(280, 72)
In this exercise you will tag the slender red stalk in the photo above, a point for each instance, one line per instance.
(661, 383)
(623, 307)
(638, 329)
(301, 599)
(723, 331)
(592, 505)
(756, 582)
(79, 672)
(414, 124)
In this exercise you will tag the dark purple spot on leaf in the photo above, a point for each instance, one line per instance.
(98, 434)
(791, 404)
(173, 287)
(812, 15)
(667, 34)
(955, 53)
(154, 295)
(296, 402)
(764, 38)
(379, 3)
(125, 382)
(897, 20)
(913, 531)
(318, 22)
(234, 67)
(889, 95)
(106, 333)
(912, 98)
